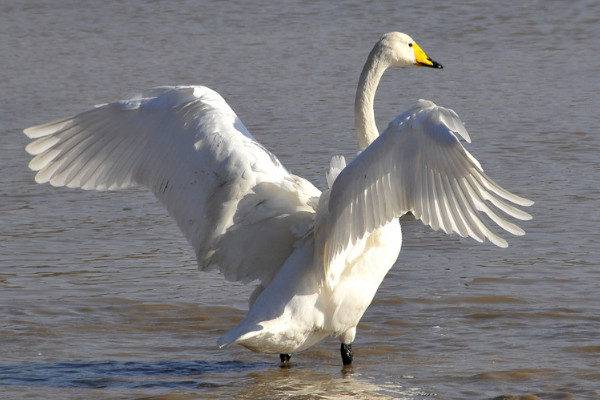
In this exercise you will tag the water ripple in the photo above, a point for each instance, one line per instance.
(120, 374)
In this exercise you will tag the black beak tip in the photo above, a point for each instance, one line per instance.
(434, 64)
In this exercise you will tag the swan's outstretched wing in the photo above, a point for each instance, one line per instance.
(229, 195)
(419, 165)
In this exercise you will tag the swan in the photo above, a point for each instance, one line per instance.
(317, 257)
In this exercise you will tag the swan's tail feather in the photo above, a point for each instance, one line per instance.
(230, 337)
(241, 335)
(224, 342)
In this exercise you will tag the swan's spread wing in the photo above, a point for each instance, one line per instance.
(226, 192)
(419, 165)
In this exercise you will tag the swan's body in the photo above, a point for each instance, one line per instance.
(319, 257)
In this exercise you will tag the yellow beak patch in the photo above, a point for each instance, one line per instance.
(422, 59)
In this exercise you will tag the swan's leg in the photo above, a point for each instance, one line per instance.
(347, 354)
(346, 349)
(285, 357)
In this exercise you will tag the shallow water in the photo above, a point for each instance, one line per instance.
(99, 293)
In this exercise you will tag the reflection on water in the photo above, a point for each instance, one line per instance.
(308, 383)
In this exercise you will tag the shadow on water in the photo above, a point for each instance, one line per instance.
(120, 374)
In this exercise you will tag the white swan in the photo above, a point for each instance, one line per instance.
(318, 257)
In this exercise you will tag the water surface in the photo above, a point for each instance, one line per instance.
(99, 293)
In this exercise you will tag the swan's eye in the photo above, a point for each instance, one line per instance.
(410, 45)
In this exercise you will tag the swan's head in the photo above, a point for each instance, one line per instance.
(401, 50)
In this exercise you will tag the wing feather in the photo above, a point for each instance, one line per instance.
(418, 165)
(188, 146)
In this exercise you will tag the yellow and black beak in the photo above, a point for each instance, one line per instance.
(423, 60)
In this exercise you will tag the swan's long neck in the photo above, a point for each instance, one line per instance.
(364, 114)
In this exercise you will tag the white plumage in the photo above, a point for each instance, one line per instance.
(318, 257)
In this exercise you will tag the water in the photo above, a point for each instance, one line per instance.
(99, 293)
